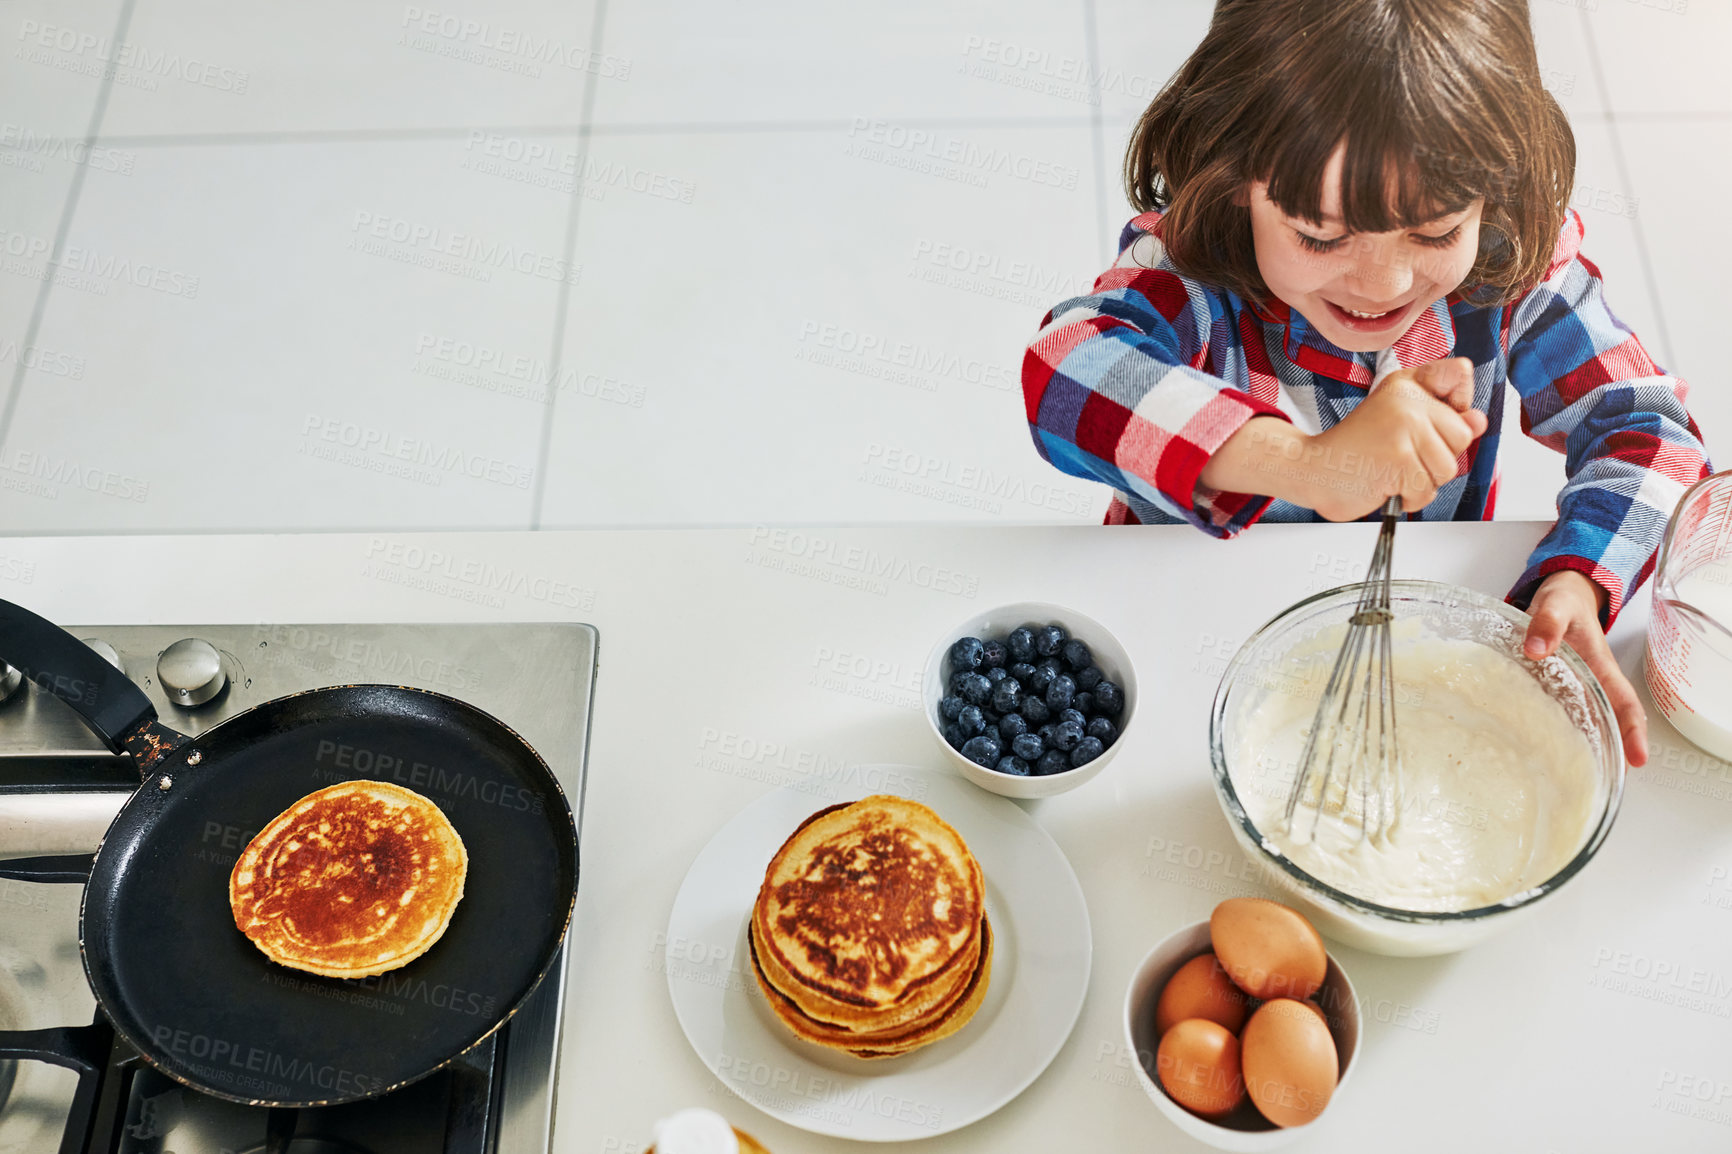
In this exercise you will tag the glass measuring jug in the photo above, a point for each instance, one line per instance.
(1689, 652)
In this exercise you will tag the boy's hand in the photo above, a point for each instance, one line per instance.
(1402, 440)
(1567, 608)
(1449, 380)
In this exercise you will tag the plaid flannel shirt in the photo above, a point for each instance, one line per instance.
(1137, 384)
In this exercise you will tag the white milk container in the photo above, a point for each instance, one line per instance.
(1689, 656)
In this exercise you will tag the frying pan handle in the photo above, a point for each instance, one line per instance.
(81, 1048)
(59, 663)
(71, 868)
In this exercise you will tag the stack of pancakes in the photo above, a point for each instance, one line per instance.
(869, 933)
(351, 881)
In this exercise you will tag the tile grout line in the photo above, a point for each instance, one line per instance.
(40, 309)
(1097, 131)
(1662, 335)
(562, 303)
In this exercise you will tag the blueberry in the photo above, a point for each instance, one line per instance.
(1019, 644)
(970, 721)
(1029, 747)
(1049, 639)
(949, 707)
(975, 688)
(1083, 702)
(1059, 693)
(954, 736)
(1086, 751)
(1109, 699)
(1045, 731)
(966, 652)
(1015, 766)
(1006, 695)
(982, 751)
(996, 674)
(1012, 726)
(1102, 729)
(993, 655)
(1088, 677)
(1051, 762)
(1022, 671)
(1066, 735)
(1037, 681)
(1076, 654)
(957, 681)
(1034, 710)
(1073, 714)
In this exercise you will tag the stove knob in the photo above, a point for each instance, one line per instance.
(191, 671)
(10, 680)
(106, 651)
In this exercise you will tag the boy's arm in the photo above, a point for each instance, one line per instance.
(1113, 395)
(1590, 390)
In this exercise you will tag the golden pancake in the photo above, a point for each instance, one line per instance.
(354, 880)
(933, 998)
(949, 1023)
(906, 1038)
(886, 1043)
(847, 1021)
(869, 916)
(822, 1028)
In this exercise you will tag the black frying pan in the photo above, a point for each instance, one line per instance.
(193, 995)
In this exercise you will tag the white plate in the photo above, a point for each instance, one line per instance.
(1040, 971)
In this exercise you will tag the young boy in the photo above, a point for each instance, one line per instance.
(1354, 235)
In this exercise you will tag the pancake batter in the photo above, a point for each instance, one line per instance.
(1499, 789)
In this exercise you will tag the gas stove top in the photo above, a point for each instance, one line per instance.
(60, 787)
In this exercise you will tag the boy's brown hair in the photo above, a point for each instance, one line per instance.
(1436, 101)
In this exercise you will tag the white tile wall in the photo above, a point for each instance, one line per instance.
(1140, 46)
(1566, 53)
(644, 262)
(53, 54)
(33, 188)
(857, 357)
(1661, 57)
(247, 66)
(1680, 175)
(773, 62)
(281, 336)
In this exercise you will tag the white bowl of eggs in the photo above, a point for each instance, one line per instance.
(1244, 1028)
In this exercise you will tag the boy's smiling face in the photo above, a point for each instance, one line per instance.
(1361, 291)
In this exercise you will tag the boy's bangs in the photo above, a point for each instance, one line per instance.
(1388, 181)
(1418, 145)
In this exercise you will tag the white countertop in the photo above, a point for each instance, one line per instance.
(733, 661)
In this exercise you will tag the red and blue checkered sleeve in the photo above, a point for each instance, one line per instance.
(1589, 389)
(1114, 394)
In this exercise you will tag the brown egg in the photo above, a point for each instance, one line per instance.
(1290, 1064)
(1268, 950)
(1201, 989)
(1198, 1063)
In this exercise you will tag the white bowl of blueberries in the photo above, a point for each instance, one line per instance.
(1029, 700)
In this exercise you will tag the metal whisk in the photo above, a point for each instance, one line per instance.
(1351, 755)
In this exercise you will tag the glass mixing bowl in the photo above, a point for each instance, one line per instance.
(1288, 648)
